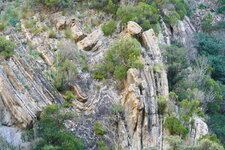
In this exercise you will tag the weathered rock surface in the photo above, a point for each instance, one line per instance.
(77, 34)
(90, 41)
(133, 28)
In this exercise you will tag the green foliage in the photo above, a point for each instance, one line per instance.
(68, 33)
(52, 131)
(66, 68)
(201, 6)
(121, 56)
(174, 141)
(29, 23)
(52, 34)
(207, 21)
(67, 104)
(99, 129)
(109, 28)
(213, 46)
(120, 72)
(175, 127)
(211, 84)
(144, 14)
(2, 26)
(110, 7)
(66, 71)
(216, 124)
(102, 146)
(206, 144)
(6, 47)
(221, 8)
(69, 96)
(99, 72)
(116, 109)
(180, 7)
(175, 59)
(55, 3)
(172, 18)
(162, 104)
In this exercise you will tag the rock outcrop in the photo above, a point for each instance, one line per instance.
(90, 41)
(133, 28)
(139, 99)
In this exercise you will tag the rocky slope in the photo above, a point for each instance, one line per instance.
(25, 89)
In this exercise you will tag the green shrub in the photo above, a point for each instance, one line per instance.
(172, 18)
(216, 124)
(175, 59)
(66, 71)
(67, 104)
(201, 6)
(121, 56)
(99, 129)
(55, 3)
(6, 47)
(221, 7)
(102, 146)
(120, 72)
(207, 21)
(52, 131)
(174, 142)
(110, 7)
(206, 144)
(109, 28)
(69, 96)
(52, 34)
(144, 14)
(99, 72)
(29, 23)
(162, 104)
(175, 127)
(68, 33)
(2, 26)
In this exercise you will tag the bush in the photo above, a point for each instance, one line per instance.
(212, 46)
(176, 60)
(221, 7)
(69, 96)
(216, 124)
(68, 32)
(52, 131)
(121, 56)
(174, 141)
(102, 146)
(66, 72)
(52, 34)
(66, 68)
(162, 104)
(175, 127)
(99, 129)
(55, 3)
(2, 26)
(206, 144)
(144, 14)
(109, 28)
(110, 7)
(6, 47)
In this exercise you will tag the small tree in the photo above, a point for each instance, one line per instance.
(6, 47)
(174, 141)
(109, 27)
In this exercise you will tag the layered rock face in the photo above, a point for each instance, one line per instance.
(24, 91)
(139, 98)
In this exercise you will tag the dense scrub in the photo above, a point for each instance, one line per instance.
(51, 131)
(6, 47)
(121, 56)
